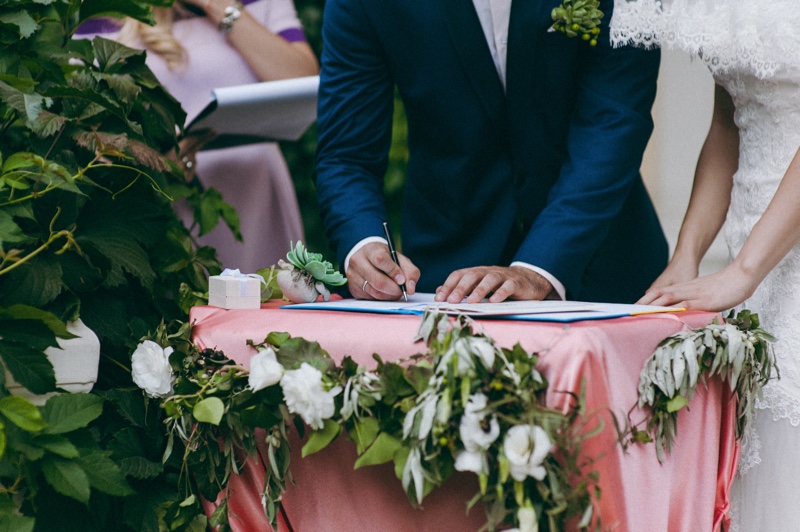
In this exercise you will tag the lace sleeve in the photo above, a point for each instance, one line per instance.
(750, 35)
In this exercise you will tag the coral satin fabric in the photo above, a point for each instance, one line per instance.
(688, 493)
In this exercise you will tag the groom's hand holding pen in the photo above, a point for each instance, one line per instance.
(374, 272)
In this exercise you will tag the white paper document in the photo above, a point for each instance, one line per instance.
(560, 311)
(258, 112)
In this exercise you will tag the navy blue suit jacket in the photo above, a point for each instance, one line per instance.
(545, 172)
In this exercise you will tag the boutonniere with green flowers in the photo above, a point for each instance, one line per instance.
(578, 17)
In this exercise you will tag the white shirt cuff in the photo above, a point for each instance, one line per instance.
(559, 288)
(360, 244)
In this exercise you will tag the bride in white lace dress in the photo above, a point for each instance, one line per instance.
(748, 176)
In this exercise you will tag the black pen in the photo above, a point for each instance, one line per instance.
(393, 252)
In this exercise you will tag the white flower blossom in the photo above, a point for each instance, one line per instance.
(526, 447)
(526, 517)
(361, 384)
(413, 472)
(475, 439)
(472, 461)
(150, 369)
(265, 370)
(484, 350)
(305, 395)
(472, 432)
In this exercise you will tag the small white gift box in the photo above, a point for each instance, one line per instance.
(234, 290)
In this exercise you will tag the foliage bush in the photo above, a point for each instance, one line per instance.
(87, 230)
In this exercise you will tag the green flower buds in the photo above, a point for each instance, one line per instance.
(578, 17)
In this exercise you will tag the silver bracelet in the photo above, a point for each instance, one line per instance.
(232, 14)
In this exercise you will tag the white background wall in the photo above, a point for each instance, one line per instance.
(682, 114)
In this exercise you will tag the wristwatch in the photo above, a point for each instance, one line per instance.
(232, 14)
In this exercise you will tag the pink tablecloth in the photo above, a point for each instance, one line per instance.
(688, 493)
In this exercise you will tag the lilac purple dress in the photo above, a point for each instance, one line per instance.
(253, 178)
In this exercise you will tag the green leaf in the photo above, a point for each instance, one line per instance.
(294, 351)
(26, 312)
(35, 283)
(55, 444)
(276, 339)
(104, 475)
(364, 432)
(71, 411)
(2, 443)
(47, 123)
(16, 523)
(121, 250)
(140, 467)
(30, 367)
(27, 333)
(381, 451)
(66, 477)
(10, 232)
(400, 459)
(676, 403)
(209, 410)
(319, 439)
(28, 105)
(128, 403)
(22, 413)
(26, 24)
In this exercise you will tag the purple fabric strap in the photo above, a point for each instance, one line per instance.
(293, 35)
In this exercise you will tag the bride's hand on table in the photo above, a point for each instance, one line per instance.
(496, 282)
(676, 272)
(717, 292)
(372, 274)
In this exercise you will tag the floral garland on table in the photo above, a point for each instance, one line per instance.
(464, 405)
(739, 351)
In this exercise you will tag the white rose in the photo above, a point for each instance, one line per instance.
(265, 370)
(150, 369)
(526, 447)
(305, 395)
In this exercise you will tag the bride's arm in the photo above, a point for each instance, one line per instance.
(775, 233)
(710, 198)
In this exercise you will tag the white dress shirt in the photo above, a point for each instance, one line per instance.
(494, 16)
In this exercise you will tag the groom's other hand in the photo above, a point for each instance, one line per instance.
(502, 282)
(372, 274)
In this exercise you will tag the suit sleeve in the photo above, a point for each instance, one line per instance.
(608, 133)
(355, 105)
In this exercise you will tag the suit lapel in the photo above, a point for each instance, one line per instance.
(466, 33)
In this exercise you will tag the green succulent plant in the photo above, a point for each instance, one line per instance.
(314, 265)
(578, 17)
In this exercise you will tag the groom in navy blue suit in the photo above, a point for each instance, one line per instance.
(524, 152)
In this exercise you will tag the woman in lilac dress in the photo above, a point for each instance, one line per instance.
(197, 46)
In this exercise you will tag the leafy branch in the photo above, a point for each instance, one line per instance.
(738, 351)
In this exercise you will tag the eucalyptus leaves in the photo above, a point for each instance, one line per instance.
(463, 405)
(739, 351)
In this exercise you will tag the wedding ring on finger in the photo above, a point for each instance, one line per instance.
(364, 286)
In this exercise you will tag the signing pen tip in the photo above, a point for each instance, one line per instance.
(405, 297)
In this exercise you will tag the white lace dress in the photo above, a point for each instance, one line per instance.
(753, 49)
